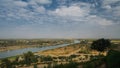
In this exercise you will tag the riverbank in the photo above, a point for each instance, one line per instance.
(74, 52)
(62, 51)
(15, 47)
(77, 52)
(10, 44)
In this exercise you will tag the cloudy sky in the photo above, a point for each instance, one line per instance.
(59, 18)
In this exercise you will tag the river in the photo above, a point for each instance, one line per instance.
(34, 49)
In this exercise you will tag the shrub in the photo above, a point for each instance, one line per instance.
(113, 59)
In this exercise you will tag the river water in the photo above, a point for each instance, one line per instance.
(34, 49)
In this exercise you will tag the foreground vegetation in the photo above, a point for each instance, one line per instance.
(82, 57)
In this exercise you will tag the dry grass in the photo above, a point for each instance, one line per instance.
(61, 51)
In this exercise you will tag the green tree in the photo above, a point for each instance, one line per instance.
(35, 66)
(29, 58)
(113, 59)
(100, 44)
(49, 65)
(46, 58)
(6, 63)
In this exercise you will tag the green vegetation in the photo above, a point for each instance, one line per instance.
(25, 59)
(94, 63)
(46, 58)
(100, 44)
(6, 63)
(114, 46)
(29, 58)
(113, 59)
(12, 42)
(68, 65)
(35, 66)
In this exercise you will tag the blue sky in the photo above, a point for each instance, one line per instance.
(59, 18)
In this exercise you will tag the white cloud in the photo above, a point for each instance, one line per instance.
(43, 1)
(111, 10)
(32, 2)
(21, 3)
(40, 9)
(116, 11)
(79, 13)
(64, 22)
(107, 2)
(73, 10)
(75, 13)
(107, 7)
(98, 20)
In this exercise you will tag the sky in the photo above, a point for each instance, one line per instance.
(59, 19)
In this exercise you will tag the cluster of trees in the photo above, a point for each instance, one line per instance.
(100, 44)
(112, 60)
(27, 59)
(31, 42)
(5, 63)
(94, 63)
(68, 65)
(46, 58)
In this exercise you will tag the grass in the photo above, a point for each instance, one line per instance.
(61, 51)
(11, 58)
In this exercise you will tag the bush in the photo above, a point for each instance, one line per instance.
(94, 63)
(35, 66)
(5, 63)
(113, 59)
(89, 65)
(46, 58)
(69, 65)
(29, 58)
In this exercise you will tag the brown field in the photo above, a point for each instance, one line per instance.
(115, 41)
(62, 51)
